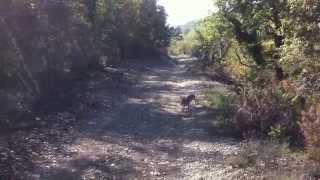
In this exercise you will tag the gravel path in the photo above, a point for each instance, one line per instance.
(137, 131)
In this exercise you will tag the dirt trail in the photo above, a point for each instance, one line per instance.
(137, 131)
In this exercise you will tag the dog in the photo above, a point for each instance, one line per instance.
(186, 101)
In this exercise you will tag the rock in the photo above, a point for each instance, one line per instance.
(36, 176)
(155, 173)
(164, 163)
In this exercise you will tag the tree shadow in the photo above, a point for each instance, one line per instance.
(133, 119)
(99, 168)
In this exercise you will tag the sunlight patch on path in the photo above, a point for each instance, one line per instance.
(147, 135)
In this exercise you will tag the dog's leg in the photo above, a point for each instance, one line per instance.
(196, 101)
(183, 109)
(189, 110)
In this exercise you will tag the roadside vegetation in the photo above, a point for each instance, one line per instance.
(268, 54)
(46, 45)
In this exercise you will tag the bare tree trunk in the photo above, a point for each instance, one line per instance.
(23, 72)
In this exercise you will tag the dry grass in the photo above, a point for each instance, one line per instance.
(263, 154)
(270, 160)
(310, 125)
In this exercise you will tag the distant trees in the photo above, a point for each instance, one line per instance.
(134, 28)
(44, 41)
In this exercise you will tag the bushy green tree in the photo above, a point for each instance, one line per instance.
(270, 45)
(44, 42)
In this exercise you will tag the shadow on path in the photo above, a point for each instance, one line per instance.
(136, 130)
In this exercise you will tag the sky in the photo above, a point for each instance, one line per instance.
(183, 11)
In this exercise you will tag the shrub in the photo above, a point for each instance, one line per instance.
(220, 100)
(276, 132)
(310, 125)
(263, 112)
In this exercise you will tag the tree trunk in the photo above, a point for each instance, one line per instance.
(22, 71)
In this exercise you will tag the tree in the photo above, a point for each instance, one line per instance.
(44, 42)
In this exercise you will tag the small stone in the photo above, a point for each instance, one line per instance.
(35, 154)
(155, 173)
(36, 176)
(163, 163)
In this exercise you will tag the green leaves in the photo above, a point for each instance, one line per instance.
(135, 26)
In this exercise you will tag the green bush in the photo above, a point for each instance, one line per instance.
(261, 112)
(220, 100)
(276, 132)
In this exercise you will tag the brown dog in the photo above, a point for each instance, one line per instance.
(186, 101)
